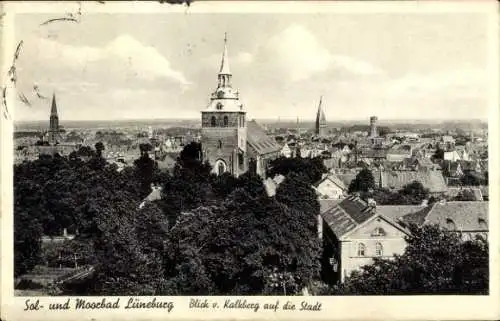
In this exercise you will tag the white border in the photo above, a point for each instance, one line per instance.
(335, 308)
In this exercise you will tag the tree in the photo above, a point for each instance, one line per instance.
(438, 155)
(435, 261)
(470, 179)
(413, 193)
(311, 168)
(144, 168)
(238, 246)
(363, 182)
(27, 242)
(465, 195)
(99, 147)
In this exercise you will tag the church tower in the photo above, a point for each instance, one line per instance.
(54, 123)
(320, 129)
(223, 126)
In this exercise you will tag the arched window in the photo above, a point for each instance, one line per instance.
(379, 249)
(378, 231)
(361, 249)
(450, 225)
(221, 168)
(482, 224)
(219, 106)
(213, 121)
(226, 121)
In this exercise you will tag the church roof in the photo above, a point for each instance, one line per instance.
(259, 140)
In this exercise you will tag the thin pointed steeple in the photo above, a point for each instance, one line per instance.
(53, 122)
(53, 109)
(224, 66)
(320, 119)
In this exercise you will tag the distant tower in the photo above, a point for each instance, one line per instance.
(150, 132)
(224, 128)
(54, 123)
(320, 129)
(373, 126)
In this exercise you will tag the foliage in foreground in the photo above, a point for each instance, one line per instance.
(434, 262)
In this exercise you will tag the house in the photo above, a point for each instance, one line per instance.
(330, 187)
(473, 190)
(396, 180)
(448, 140)
(415, 163)
(399, 153)
(355, 232)
(467, 218)
(372, 154)
(451, 156)
(286, 151)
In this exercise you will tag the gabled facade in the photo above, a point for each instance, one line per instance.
(330, 187)
(378, 237)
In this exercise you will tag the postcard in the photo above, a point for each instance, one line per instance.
(249, 160)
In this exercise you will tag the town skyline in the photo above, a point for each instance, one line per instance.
(114, 75)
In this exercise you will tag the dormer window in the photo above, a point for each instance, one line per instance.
(482, 224)
(450, 225)
(219, 106)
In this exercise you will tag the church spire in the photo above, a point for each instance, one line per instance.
(53, 109)
(320, 119)
(224, 66)
(54, 122)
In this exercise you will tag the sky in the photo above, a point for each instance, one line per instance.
(164, 65)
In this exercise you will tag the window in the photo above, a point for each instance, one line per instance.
(379, 250)
(482, 224)
(221, 167)
(450, 225)
(220, 144)
(378, 232)
(361, 249)
(213, 121)
(218, 106)
(240, 159)
(226, 121)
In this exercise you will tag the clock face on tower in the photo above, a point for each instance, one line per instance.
(220, 94)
